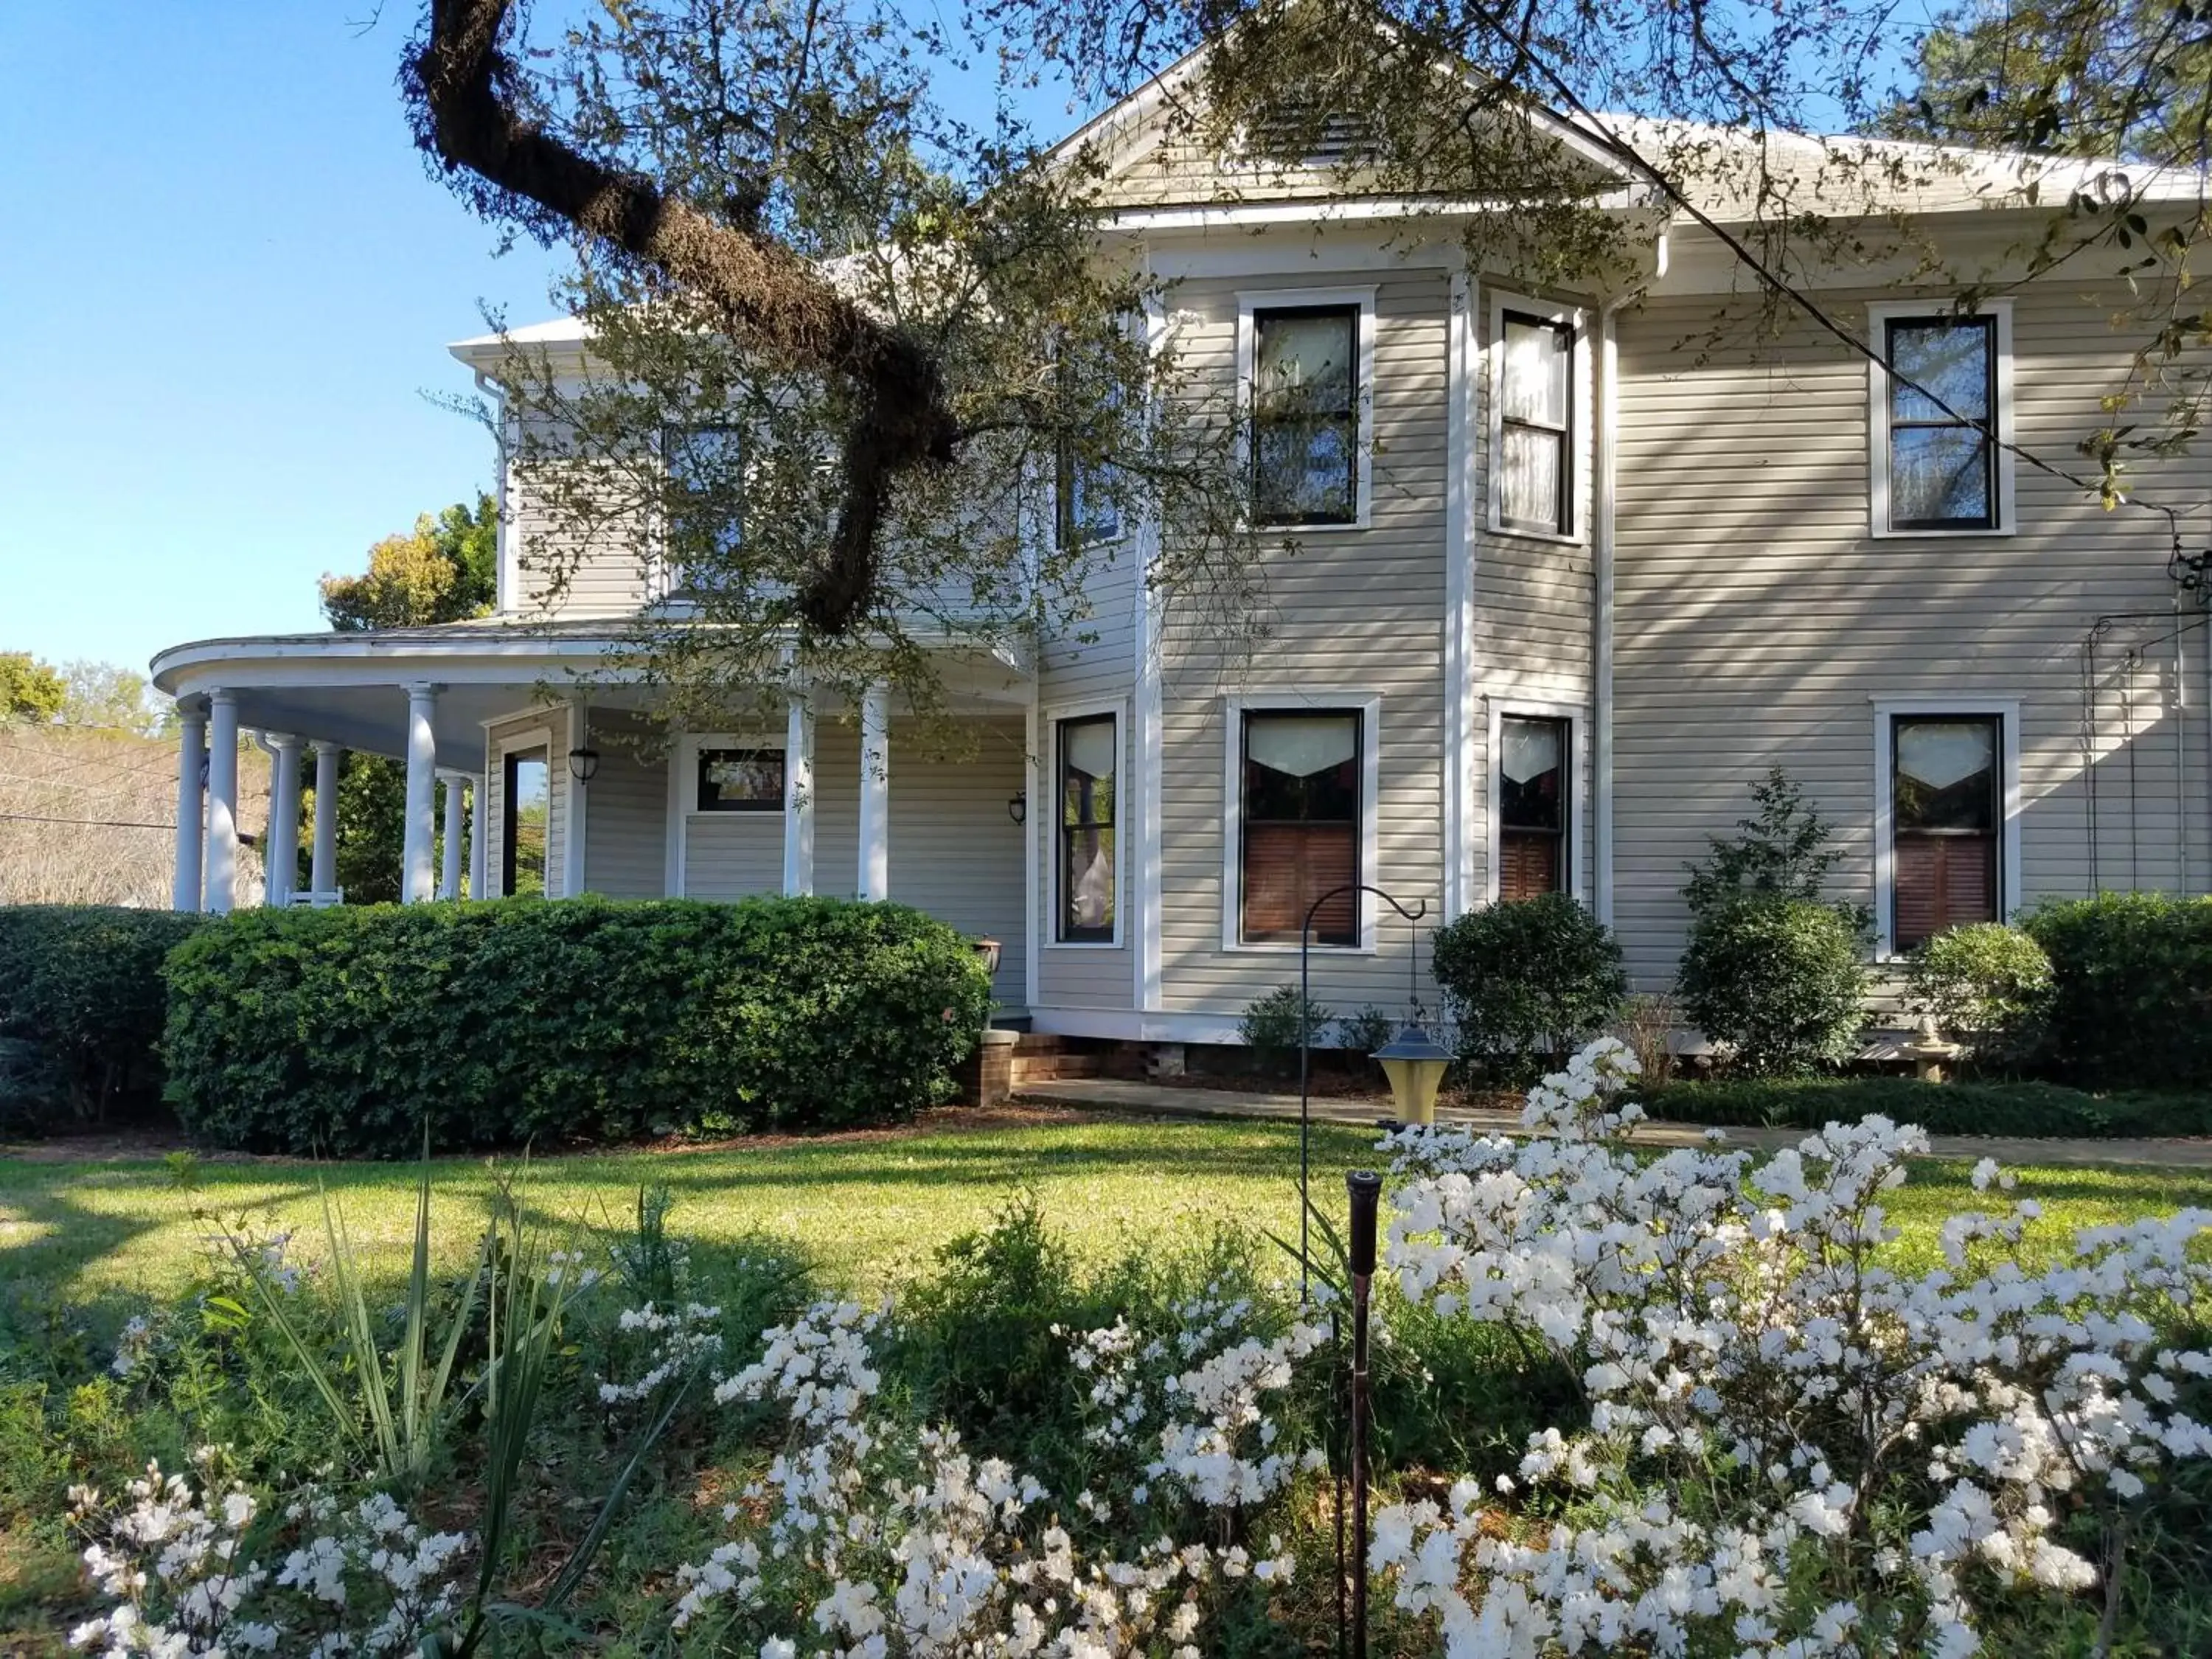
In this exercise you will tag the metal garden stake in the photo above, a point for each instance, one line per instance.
(1365, 1187)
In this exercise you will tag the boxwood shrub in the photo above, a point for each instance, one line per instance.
(1527, 978)
(82, 1002)
(2131, 997)
(344, 1031)
(1950, 1108)
(1778, 980)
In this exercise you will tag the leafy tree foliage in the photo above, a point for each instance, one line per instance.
(1785, 849)
(101, 694)
(30, 690)
(840, 345)
(446, 569)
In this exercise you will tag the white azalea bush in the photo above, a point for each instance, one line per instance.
(871, 1537)
(1791, 1448)
(192, 1569)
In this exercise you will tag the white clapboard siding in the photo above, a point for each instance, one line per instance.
(1758, 619)
(626, 814)
(1354, 613)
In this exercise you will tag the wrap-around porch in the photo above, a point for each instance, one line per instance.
(525, 772)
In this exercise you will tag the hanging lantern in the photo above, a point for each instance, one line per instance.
(1415, 1063)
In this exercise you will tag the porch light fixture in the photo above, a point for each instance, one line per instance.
(583, 764)
(1018, 806)
(1415, 1063)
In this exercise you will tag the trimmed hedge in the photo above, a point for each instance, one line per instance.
(1949, 1109)
(1527, 978)
(2130, 999)
(1778, 980)
(81, 1004)
(341, 1031)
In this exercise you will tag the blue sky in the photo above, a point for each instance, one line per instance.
(225, 284)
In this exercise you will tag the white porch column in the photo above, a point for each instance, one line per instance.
(876, 792)
(449, 871)
(799, 797)
(478, 843)
(322, 853)
(280, 848)
(416, 875)
(191, 807)
(222, 885)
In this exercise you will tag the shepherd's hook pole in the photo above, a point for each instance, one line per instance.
(1305, 1048)
(1365, 1187)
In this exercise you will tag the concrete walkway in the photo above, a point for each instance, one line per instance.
(1158, 1100)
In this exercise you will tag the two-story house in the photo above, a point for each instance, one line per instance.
(1575, 568)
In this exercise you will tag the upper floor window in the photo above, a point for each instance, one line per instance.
(1940, 413)
(1305, 392)
(1088, 748)
(1947, 811)
(1084, 512)
(1532, 758)
(706, 479)
(1534, 474)
(1301, 814)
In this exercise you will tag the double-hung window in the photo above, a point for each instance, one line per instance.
(705, 501)
(1947, 803)
(1532, 761)
(1089, 748)
(1305, 435)
(1300, 781)
(1940, 415)
(1534, 487)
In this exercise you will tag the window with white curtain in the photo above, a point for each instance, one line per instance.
(1948, 813)
(1301, 782)
(1532, 806)
(1532, 471)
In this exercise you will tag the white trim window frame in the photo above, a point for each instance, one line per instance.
(668, 576)
(1575, 875)
(1570, 530)
(1368, 705)
(503, 746)
(683, 793)
(1251, 304)
(2005, 711)
(2002, 476)
(1051, 718)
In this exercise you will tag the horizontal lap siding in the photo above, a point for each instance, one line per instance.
(1758, 620)
(603, 564)
(955, 850)
(626, 812)
(1353, 614)
(1093, 663)
(732, 855)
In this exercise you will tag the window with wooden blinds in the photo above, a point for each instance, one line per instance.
(1532, 806)
(1301, 825)
(1944, 856)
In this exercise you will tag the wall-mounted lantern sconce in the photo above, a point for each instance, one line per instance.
(1018, 806)
(583, 764)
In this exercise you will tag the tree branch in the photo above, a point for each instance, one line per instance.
(459, 83)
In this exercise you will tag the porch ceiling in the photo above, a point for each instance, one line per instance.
(351, 689)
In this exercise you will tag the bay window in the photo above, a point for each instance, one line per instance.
(1300, 773)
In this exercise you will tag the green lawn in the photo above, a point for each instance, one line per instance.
(112, 1234)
